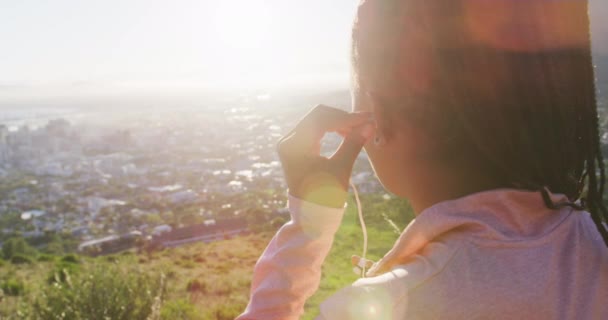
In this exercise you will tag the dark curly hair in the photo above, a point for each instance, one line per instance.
(524, 103)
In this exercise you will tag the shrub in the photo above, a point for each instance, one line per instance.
(16, 246)
(54, 246)
(104, 292)
(46, 258)
(20, 259)
(171, 274)
(187, 264)
(62, 272)
(12, 287)
(70, 258)
(196, 286)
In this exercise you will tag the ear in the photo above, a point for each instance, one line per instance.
(393, 127)
(383, 122)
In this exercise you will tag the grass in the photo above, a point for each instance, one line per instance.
(337, 269)
(202, 281)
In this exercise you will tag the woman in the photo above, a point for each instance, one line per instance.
(483, 115)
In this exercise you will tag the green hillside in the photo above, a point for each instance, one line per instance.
(200, 281)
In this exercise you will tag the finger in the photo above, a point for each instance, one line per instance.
(307, 129)
(298, 146)
(322, 119)
(347, 122)
(306, 136)
(359, 262)
(343, 133)
(351, 146)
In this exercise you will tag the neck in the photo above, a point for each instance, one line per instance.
(441, 183)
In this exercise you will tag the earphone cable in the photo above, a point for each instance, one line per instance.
(363, 228)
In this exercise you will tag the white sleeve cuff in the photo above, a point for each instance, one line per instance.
(315, 218)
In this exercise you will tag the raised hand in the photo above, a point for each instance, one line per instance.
(318, 179)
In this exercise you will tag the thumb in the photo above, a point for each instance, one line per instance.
(360, 262)
(350, 148)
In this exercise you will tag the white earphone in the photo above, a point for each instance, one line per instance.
(360, 268)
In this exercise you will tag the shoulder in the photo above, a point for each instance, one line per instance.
(592, 232)
(386, 296)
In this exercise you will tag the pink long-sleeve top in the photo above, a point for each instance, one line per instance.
(498, 254)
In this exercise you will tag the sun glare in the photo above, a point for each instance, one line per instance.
(245, 44)
(242, 24)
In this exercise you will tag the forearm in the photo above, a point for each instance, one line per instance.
(289, 270)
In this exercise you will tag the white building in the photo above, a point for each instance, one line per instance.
(186, 196)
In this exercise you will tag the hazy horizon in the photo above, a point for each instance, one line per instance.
(75, 49)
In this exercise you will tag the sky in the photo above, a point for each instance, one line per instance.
(75, 47)
(135, 44)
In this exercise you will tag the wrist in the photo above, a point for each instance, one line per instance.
(315, 219)
(335, 199)
(322, 189)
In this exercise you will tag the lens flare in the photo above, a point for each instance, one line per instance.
(526, 26)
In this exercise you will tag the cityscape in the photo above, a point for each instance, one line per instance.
(98, 179)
